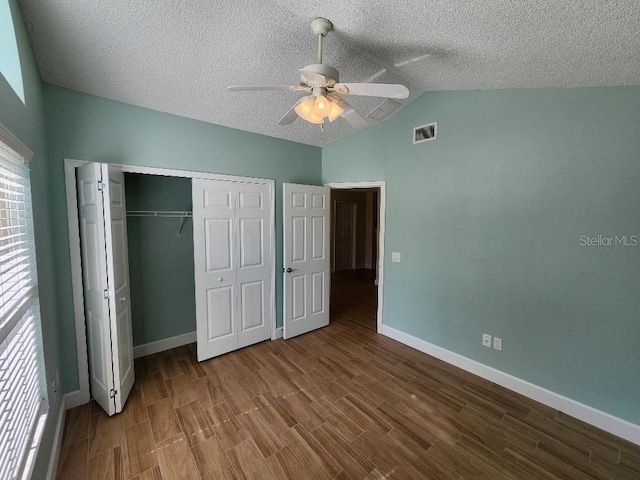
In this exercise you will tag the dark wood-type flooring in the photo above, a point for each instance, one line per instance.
(341, 402)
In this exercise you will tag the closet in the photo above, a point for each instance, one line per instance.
(232, 302)
(161, 265)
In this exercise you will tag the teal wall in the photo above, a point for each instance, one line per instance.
(25, 120)
(488, 219)
(160, 259)
(85, 127)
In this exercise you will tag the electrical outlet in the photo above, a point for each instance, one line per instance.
(486, 340)
(396, 257)
(497, 343)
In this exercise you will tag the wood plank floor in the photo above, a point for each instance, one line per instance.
(341, 402)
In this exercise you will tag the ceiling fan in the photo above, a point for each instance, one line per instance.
(322, 82)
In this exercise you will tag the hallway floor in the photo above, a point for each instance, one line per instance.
(340, 402)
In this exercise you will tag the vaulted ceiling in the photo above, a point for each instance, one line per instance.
(178, 56)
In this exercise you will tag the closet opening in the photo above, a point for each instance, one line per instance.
(161, 266)
(198, 250)
(357, 253)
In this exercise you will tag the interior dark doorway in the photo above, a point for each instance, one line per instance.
(354, 256)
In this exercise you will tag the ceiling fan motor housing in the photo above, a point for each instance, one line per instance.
(322, 69)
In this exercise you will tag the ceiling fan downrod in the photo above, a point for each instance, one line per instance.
(320, 27)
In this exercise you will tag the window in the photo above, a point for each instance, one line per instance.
(23, 403)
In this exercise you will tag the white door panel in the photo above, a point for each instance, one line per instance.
(94, 274)
(252, 312)
(213, 230)
(254, 273)
(231, 245)
(220, 319)
(118, 274)
(105, 269)
(298, 241)
(218, 244)
(306, 258)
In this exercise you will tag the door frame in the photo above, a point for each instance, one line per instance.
(354, 234)
(381, 234)
(82, 395)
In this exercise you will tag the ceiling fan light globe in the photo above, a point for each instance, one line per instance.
(304, 109)
(336, 111)
(321, 106)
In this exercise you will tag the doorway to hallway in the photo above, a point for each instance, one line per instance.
(355, 252)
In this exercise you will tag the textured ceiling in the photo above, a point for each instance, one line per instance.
(178, 56)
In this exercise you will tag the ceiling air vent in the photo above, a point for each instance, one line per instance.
(384, 110)
(425, 133)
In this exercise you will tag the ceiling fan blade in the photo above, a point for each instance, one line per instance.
(388, 90)
(256, 88)
(352, 117)
(290, 116)
(314, 78)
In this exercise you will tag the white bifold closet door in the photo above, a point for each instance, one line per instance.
(307, 275)
(105, 274)
(233, 276)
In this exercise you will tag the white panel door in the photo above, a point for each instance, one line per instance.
(233, 277)
(254, 277)
(215, 273)
(105, 271)
(119, 286)
(306, 258)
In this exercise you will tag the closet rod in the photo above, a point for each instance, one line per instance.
(158, 213)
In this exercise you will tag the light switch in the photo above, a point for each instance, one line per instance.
(396, 257)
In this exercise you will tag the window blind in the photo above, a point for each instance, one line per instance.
(23, 402)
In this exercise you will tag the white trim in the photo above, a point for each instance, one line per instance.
(605, 421)
(57, 439)
(76, 266)
(164, 344)
(278, 333)
(169, 172)
(381, 234)
(14, 143)
(74, 399)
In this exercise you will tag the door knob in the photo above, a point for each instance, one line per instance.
(123, 299)
(289, 270)
(220, 279)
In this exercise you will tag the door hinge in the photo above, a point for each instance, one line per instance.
(106, 293)
(112, 393)
(101, 186)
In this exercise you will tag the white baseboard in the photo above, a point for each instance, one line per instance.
(75, 399)
(162, 345)
(278, 333)
(57, 440)
(605, 421)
